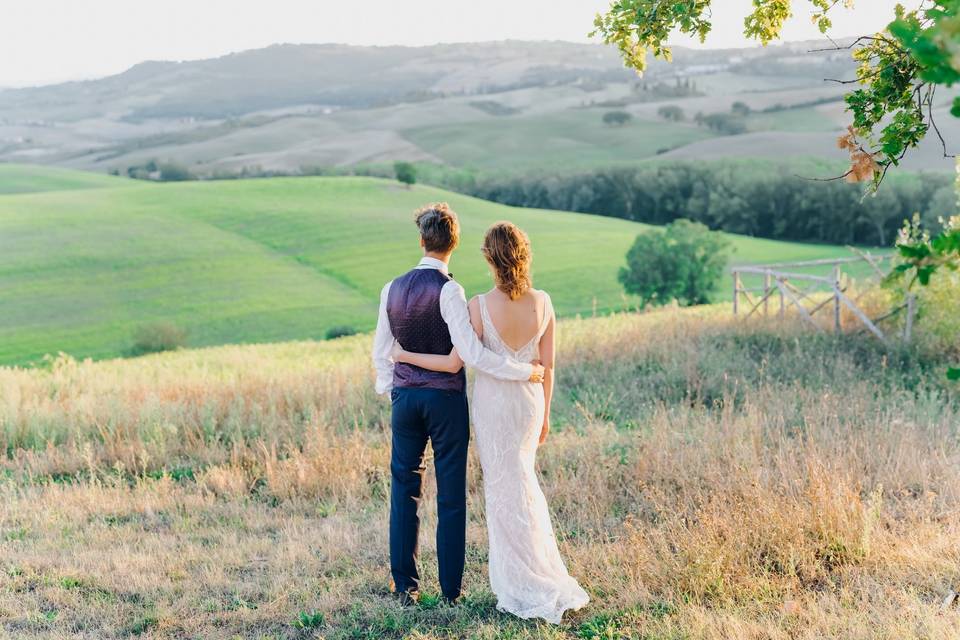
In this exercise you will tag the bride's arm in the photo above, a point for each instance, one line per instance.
(450, 363)
(548, 348)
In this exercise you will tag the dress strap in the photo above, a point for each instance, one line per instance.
(547, 314)
(484, 314)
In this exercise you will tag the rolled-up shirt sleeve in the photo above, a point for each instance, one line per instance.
(382, 345)
(453, 308)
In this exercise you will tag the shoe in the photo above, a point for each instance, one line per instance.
(450, 602)
(407, 598)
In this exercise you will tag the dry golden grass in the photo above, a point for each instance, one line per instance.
(707, 480)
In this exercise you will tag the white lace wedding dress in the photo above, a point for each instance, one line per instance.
(527, 574)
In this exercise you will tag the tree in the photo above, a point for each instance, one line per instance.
(671, 112)
(406, 173)
(616, 118)
(172, 172)
(899, 72)
(740, 108)
(724, 123)
(900, 68)
(684, 261)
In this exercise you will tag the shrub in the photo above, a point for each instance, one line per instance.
(172, 172)
(684, 262)
(671, 112)
(405, 172)
(340, 331)
(724, 124)
(616, 118)
(157, 337)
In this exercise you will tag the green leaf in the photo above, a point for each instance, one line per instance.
(953, 373)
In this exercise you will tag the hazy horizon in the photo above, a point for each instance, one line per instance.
(114, 35)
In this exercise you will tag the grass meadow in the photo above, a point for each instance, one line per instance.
(16, 178)
(707, 479)
(265, 260)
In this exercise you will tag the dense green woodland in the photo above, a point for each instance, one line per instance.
(769, 202)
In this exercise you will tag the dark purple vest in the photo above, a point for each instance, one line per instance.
(413, 306)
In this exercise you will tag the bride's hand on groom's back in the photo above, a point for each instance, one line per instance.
(538, 372)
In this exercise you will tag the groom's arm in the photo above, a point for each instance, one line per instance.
(453, 308)
(382, 344)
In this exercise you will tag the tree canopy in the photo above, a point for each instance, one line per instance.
(900, 69)
(897, 77)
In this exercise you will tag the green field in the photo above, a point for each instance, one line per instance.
(17, 178)
(264, 260)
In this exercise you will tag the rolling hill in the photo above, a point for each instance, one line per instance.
(488, 107)
(263, 260)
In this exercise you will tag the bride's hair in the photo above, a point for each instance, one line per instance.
(507, 248)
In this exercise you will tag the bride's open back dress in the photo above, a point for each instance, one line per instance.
(527, 574)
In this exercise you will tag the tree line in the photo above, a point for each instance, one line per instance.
(762, 202)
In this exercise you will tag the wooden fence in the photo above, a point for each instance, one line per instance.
(815, 285)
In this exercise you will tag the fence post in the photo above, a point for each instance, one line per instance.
(837, 317)
(766, 293)
(736, 292)
(783, 306)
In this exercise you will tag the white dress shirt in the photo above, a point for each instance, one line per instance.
(453, 308)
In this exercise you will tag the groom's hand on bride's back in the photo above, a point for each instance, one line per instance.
(538, 371)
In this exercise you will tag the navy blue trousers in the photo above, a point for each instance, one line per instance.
(441, 417)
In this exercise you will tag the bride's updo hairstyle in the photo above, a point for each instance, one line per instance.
(507, 248)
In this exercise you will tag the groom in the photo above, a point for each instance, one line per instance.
(425, 310)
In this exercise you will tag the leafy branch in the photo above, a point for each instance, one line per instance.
(922, 256)
(898, 71)
(897, 76)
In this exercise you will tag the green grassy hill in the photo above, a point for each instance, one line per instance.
(17, 178)
(263, 260)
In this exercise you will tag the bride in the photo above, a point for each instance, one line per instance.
(511, 419)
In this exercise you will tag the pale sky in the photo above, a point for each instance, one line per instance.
(45, 41)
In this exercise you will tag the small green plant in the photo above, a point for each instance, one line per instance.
(599, 627)
(71, 582)
(13, 535)
(142, 625)
(309, 620)
(157, 337)
(340, 331)
(429, 601)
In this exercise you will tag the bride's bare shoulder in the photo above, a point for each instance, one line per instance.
(475, 318)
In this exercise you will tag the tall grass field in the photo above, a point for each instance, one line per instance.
(86, 261)
(707, 479)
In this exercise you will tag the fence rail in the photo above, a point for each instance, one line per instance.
(810, 293)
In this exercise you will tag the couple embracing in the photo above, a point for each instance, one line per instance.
(426, 333)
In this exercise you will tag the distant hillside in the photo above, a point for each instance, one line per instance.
(266, 260)
(482, 107)
(321, 75)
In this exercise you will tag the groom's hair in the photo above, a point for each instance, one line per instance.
(439, 227)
